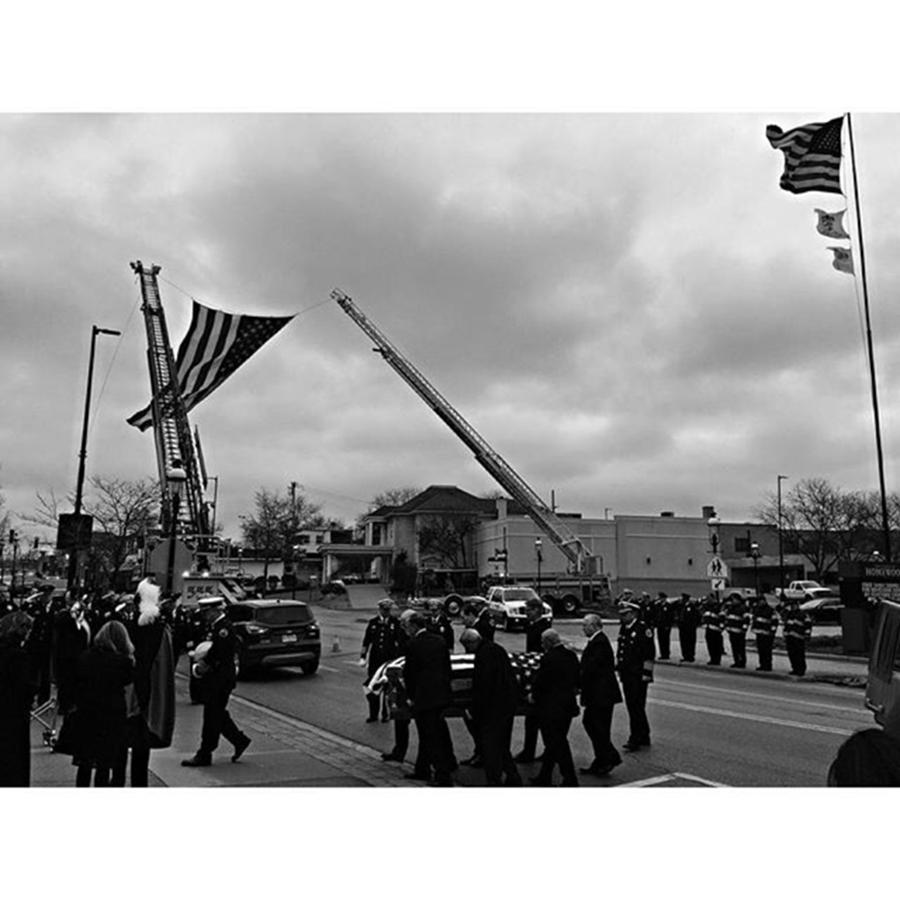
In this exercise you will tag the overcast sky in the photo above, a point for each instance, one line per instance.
(625, 306)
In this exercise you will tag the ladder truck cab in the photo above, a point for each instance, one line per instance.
(581, 562)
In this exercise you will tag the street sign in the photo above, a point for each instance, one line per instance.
(717, 568)
(717, 584)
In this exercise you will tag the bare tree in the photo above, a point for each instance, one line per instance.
(447, 539)
(824, 523)
(273, 527)
(394, 496)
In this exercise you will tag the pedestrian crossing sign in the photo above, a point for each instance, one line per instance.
(717, 568)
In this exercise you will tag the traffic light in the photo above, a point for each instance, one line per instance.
(12, 535)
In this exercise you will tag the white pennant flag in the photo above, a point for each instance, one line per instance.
(843, 259)
(831, 224)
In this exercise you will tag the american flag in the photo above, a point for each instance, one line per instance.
(812, 156)
(215, 345)
(388, 678)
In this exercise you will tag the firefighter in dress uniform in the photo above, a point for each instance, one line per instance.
(737, 621)
(635, 653)
(664, 616)
(219, 676)
(764, 624)
(713, 624)
(797, 630)
(688, 617)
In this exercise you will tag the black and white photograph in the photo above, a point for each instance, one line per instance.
(450, 445)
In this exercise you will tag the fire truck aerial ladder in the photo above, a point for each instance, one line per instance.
(185, 514)
(581, 561)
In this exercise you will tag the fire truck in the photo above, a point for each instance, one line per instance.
(185, 557)
(584, 586)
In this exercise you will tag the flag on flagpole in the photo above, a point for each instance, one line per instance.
(831, 224)
(843, 259)
(812, 156)
(215, 345)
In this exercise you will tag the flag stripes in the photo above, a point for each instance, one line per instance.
(812, 156)
(215, 345)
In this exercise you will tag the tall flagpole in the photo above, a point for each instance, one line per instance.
(862, 263)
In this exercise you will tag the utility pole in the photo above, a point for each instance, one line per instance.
(293, 538)
(780, 542)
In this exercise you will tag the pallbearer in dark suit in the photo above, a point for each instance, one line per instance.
(495, 695)
(426, 674)
(555, 691)
(599, 695)
(535, 626)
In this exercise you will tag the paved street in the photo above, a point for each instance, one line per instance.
(709, 726)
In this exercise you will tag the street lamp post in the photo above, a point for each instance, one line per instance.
(538, 545)
(754, 552)
(82, 455)
(780, 542)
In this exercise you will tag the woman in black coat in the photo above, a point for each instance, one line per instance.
(18, 685)
(102, 674)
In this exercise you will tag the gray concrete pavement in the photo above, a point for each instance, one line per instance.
(285, 752)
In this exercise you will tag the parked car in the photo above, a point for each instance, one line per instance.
(824, 609)
(276, 633)
(507, 606)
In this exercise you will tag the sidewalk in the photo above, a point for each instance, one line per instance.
(285, 753)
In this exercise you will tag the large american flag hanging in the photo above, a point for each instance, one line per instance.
(215, 345)
(812, 156)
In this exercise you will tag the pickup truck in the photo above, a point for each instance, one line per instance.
(803, 590)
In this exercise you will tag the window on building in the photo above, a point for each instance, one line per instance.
(742, 545)
(320, 538)
(302, 538)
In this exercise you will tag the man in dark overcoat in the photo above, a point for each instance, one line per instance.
(495, 695)
(555, 699)
(426, 675)
(599, 695)
(635, 654)
(535, 625)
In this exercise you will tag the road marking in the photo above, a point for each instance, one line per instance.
(767, 720)
(705, 688)
(671, 776)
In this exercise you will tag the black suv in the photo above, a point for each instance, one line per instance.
(276, 633)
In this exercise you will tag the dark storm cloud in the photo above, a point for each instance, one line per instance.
(625, 306)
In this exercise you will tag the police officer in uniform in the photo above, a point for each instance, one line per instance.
(797, 629)
(635, 653)
(219, 675)
(737, 621)
(688, 621)
(713, 624)
(439, 623)
(764, 624)
(381, 643)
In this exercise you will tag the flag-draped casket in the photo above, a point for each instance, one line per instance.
(388, 680)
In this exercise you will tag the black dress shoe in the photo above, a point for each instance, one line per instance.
(523, 757)
(590, 770)
(573, 783)
(633, 746)
(239, 748)
(416, 776)
(391, 757)
(539, 782)
(197, 760)
(372, 719)
(474, 761)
